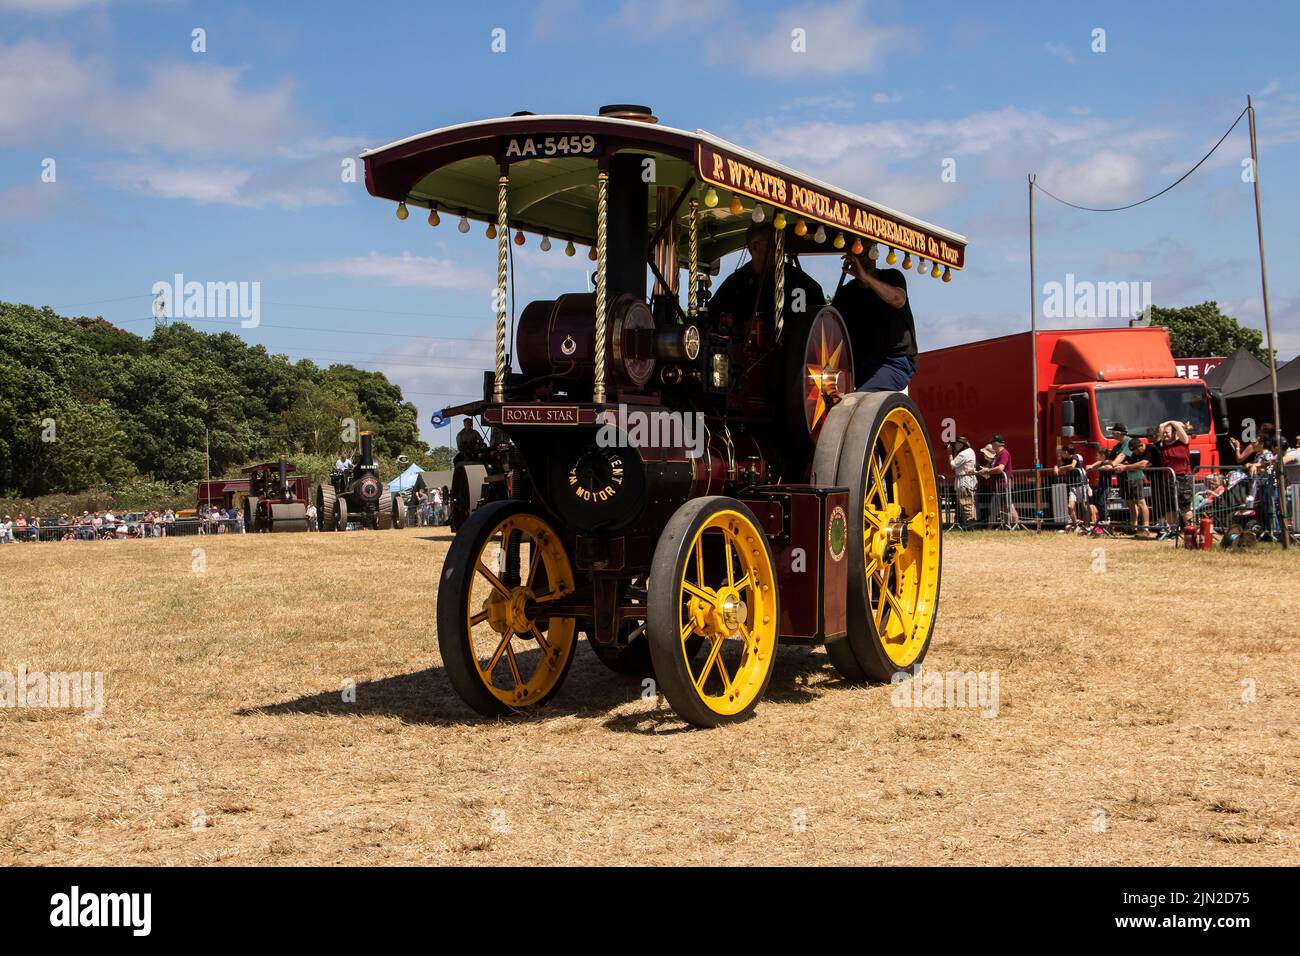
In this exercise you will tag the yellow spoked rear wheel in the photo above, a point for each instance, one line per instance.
(895, 549)
(714, 580)
(501, 650)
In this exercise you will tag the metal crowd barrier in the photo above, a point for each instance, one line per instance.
(1247, 498)
(47, 531)
(1153, 501)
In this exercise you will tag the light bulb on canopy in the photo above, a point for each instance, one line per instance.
(569, 249)
(778, 221)
(801, 228)
(892, 257)
(758, 213)
(463, 225)
(711, 198)
(546, 243)
(820, 234)
(947, 274)
(434, 218)
(519, 237)
(736, 207)
(839, 240)
(907, 261)
(491, 230)
(401, 210)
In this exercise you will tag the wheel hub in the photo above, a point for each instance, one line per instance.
(891, 534)
(510, 613)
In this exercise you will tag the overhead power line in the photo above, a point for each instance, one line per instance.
(1066, 202)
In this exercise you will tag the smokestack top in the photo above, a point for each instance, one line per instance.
(629, 111)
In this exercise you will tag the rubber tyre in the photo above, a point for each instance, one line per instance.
(454, 589)
(672, 670)
(869, 417)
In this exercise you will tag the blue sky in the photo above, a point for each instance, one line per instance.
(224, 165)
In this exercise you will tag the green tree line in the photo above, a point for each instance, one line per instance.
(86, 404)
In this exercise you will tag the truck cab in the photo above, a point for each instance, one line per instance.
(1086, 411)
(1100, 378)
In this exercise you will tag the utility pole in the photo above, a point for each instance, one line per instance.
(1279, 471)
(1033, 355)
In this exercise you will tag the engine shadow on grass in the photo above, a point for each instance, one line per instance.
(590, 692)
(791, 684)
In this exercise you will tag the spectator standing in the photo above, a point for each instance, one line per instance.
(436, 506)
(1068, 471)
(20, 529)
(998, 475)
(962, 458)
(1175, 453)
(311, 516)
(6, 530)
(1142, 457)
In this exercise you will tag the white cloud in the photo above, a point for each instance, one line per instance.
(254, 148)
(648, 18)
(183, 108)
(406, 270)
(49, 7)
(1060, 51)
(1107, 176)
(198, 109)
(839, 37)
(39, 84)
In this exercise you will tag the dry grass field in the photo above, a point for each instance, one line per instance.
(1121, 736)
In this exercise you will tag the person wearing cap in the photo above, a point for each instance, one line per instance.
(998, 473)
(962, 458)
(750, 291)
(6, 530)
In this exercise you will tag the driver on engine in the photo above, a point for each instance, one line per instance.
(750, 290)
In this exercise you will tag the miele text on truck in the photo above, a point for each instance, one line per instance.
(1088, 380)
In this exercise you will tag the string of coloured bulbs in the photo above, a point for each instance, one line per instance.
(735, 207)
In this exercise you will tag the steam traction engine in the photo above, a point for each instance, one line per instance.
(277, 500)
(685, 490)
(358, 494)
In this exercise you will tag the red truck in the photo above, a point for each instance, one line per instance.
(1088, 379)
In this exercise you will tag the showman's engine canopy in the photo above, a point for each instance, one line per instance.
(806, 512)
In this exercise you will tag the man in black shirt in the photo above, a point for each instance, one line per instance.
(875, 309)
(753, 288)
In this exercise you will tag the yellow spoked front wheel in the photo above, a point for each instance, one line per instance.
(713, 580)
(895, 545)
(501, 649)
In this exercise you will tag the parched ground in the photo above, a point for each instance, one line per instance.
(1147, 714)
